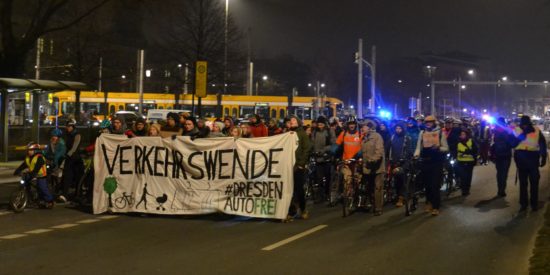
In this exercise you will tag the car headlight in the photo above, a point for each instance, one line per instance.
(96, 123)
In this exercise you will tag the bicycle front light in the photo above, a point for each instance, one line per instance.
(22, 182)
(452, 162)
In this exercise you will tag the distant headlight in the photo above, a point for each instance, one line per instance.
(96, 123)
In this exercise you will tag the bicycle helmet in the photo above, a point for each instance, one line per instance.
(57, 132)
(71, 122)
(33, 146)
(351, 120)
(419, 117)
(105, 124)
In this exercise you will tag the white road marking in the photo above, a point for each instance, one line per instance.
(38, 231)
(63, 226)
(108, 217)
(88, 221)
(12, 236)
(5, 213)
(295, 237)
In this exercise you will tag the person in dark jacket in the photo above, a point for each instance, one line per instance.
(117, 126)
(413, 131)
(139, 129)
(467, 152)
(530, 154)
(399, 153)
(74, 167)
(302, 155)
(322, 138)
(190, 129)
(501, 153)
(171, 128)
(386, 135)
(228, 125)
(273, 128)
(204, 130)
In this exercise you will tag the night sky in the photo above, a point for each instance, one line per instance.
(513, 34)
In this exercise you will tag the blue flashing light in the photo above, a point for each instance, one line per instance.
(385, 114)
(489, 119)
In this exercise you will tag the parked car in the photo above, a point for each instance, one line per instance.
(155, 115)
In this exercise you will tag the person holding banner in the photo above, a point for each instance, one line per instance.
(302, 155)
(190, 129)
(171, 128)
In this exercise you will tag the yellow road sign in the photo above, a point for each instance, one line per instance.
(200, 78)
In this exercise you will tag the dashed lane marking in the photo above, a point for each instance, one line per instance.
(88, 221)
(12, 236)
(38, 231)
(294, 238)
(63, 226)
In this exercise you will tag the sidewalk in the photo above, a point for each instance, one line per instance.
(540, 261)
(6, 172)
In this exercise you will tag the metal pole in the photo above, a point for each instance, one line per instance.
(250, 80)
(432, 86)
(186, 80)
(225, 47)
(4, 119)
(459, 95)
(141, 60)
(373, 83)
(249, 68)
(100, 74)
(360, 79)
(39, 46)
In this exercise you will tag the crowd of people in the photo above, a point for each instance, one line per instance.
(382, 145)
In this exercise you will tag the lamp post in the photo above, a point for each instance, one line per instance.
(225, 46)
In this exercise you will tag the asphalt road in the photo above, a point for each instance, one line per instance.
(477, 235)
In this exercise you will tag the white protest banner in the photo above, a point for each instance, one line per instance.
(248, 177)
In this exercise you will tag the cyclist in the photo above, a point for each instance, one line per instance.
(466, 157)
(400, 153)
(36, 163)
(374, 164)
(73, 162)
(431, 147)
(349, 141)
(302, 155)
(322, 138)
(55, 150)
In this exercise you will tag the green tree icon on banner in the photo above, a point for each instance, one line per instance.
(110, 185)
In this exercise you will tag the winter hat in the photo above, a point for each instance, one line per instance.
(322, 119)
(219, 124)
(525, 120)
(173, 116)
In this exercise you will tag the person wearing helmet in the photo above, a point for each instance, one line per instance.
(36, 164)
(73, 162)
(431, 147)
(347, 146)
(105, 127)
(55, 150)
(420, 121)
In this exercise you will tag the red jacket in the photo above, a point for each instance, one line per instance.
(258, 130)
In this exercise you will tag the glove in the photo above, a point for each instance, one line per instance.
(542, 161)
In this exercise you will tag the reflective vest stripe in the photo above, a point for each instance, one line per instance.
(462, 148)
(531, 142)
(32, 163)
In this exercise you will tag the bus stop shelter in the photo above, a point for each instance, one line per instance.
(9, 86)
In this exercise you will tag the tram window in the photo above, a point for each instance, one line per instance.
(281, 113)
(247, 110)
(263, 111)
(112, 109)
(209, 111)
(120, 107)
(273, 113)
(234, 112)
(67, 108)
(225, 111)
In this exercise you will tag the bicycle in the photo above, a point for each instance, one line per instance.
(351, 197)
(450, 180)
(84, 188)
(26, 195)
(413, 190)
(125, 200)
(314, 190)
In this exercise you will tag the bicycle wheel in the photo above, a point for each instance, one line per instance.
(120, 203)
(18, 200)
(348, 201)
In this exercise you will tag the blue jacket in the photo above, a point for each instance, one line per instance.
(56, 155)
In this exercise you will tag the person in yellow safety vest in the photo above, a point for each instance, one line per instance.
(466, 156)
(530, 154)
(36, 163)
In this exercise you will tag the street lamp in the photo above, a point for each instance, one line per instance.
(265, 77)
(123, 76)
(309, 84)
(322, 85)
(471, 72)
(463, 87)
(225, 46)
(148, 73)
(504, 78)
(399, 81)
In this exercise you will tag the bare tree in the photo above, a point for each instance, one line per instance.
(22, 22)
